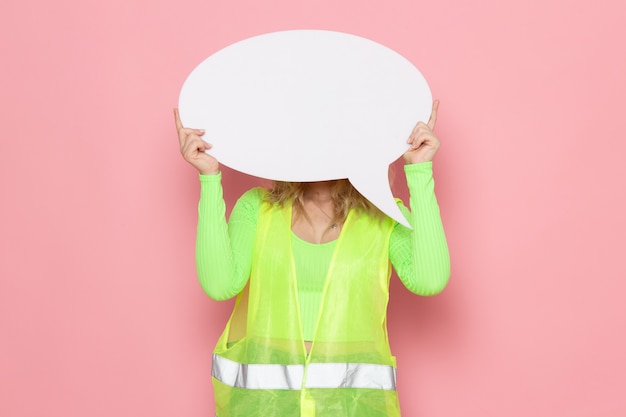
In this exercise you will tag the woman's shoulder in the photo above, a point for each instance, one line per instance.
(253, 198)
(256, 194)
(249, 204)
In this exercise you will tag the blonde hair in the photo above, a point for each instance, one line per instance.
(345, 197)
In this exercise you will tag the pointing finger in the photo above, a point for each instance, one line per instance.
(179, 124)
(433, 116)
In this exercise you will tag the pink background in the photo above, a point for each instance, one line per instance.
(100, 311)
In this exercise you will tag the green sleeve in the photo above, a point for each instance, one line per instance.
(224, 250)
(420, 256)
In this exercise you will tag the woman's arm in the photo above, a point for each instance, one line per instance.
(224, 251)
(420, 256)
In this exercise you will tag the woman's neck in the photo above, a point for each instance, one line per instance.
(319, 191)
(317, 223)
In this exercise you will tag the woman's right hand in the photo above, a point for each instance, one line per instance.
(192, 148)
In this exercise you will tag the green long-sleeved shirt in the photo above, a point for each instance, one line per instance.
(224, 250)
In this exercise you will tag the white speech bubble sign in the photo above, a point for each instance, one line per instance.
(309, 105)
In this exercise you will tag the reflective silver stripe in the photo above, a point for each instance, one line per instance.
(257, 376)
(351, 375)
(319, 375)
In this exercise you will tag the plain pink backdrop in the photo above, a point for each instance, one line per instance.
(100, 311)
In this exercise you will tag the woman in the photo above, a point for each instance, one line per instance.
(310, 265)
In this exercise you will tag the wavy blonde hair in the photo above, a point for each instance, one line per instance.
(345, 197)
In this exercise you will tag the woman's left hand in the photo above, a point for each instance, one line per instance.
(423, 141)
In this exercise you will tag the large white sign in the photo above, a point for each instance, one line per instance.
(309, 105)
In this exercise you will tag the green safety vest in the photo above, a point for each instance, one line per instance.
(260, 364)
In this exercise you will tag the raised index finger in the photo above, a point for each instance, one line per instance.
(179, 124)
(433, 116)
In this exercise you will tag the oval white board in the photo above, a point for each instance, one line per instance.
(309, 105)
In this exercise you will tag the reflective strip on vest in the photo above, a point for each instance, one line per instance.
(319, 375)
(256, 376)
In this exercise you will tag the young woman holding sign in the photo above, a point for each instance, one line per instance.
(310, 266)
